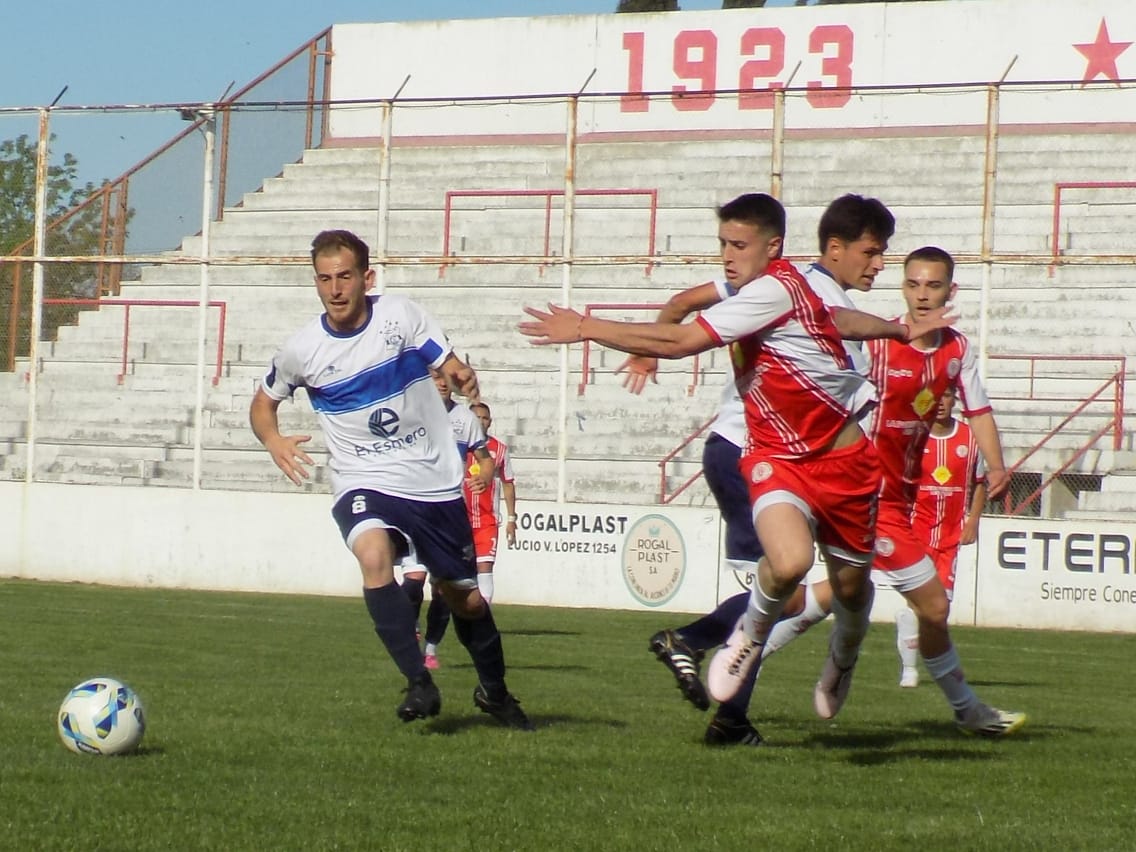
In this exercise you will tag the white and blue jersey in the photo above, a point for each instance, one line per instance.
(386, 427)
(468, 432)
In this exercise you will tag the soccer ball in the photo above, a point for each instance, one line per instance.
(101, 716)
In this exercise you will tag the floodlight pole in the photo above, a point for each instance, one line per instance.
(566, 252)
(382, 237)
(989, 186)
(39, 241)
(207, 115)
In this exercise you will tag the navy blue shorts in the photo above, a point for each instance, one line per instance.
(437, 535)
(720, 465)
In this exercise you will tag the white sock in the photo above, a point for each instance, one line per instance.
(788, 629)
(907, 637)
(431, 650)
(947, 672)
(485, 585)
(850, 629)
(762, 613)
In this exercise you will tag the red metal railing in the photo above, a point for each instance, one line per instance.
(547, 195)
(153, 303)
(1058, 189)
(1115, 425)
(586, 358)
(664, 496)
(1115, 381)
(113, 195)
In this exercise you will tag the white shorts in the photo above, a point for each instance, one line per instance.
(906, 579)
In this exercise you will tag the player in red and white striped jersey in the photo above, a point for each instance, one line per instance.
(811, 472)
(910, 379)
(946, 513)
(952, 490)
(484, 502)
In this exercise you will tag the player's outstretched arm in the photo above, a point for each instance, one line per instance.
(285, 450)
(639, 368)
(660, 340)
(858, 325)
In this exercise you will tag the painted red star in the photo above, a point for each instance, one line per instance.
(1102, 55)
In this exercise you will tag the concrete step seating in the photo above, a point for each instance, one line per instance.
(614, 440)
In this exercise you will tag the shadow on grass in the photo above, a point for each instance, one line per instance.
(448, 726)
(528, 667)
(535, 632)
(915, 741)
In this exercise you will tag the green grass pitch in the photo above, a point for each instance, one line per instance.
(272, 726)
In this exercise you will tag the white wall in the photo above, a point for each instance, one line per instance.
(1045, 574)
(874, 44)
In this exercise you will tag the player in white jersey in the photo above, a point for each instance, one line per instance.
(396, 476)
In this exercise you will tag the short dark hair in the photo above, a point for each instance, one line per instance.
(851, 216)
(334, 240)
(474, 405)
(933, 254)
(762, 211)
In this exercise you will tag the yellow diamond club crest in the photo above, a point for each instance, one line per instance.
(941, 475)
(924, 402)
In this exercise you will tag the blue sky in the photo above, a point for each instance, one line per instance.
(157, 51)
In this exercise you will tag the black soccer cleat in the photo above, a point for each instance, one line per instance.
(724, 731)
(507, 710)
(422, 699)
(676, 655)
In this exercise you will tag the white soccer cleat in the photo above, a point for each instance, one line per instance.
(982, 720)
(909, 678)
(832, 688)
(730, 666)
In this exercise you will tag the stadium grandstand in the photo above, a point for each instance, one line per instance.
(591, 183)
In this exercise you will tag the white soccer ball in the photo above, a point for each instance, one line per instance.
(101, 716)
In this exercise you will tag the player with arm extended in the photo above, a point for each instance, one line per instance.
(469, 439)
(811, 474)
(396, 478)
(910, 379)
(484, 503)
(946, 513)
(853, 233)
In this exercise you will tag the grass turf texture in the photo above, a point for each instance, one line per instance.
(272, 726)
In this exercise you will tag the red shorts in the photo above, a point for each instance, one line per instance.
(485, 543)
(945, 560)
(838, 489)
(897, 545)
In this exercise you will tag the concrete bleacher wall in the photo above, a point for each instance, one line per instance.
(923, 151)
(613, 441)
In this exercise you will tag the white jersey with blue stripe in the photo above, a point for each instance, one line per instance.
(468, 431)
(386, 426)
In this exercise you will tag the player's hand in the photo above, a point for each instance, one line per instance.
(997, 481)
(475, 484)
(290, 456)
(557, 325)
(465, 380)
(638, 369)
(511, 533)
(932, 320)
(969, 533)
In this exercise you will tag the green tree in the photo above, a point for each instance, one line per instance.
(78, 233)
(743, 4)
(648, 6)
